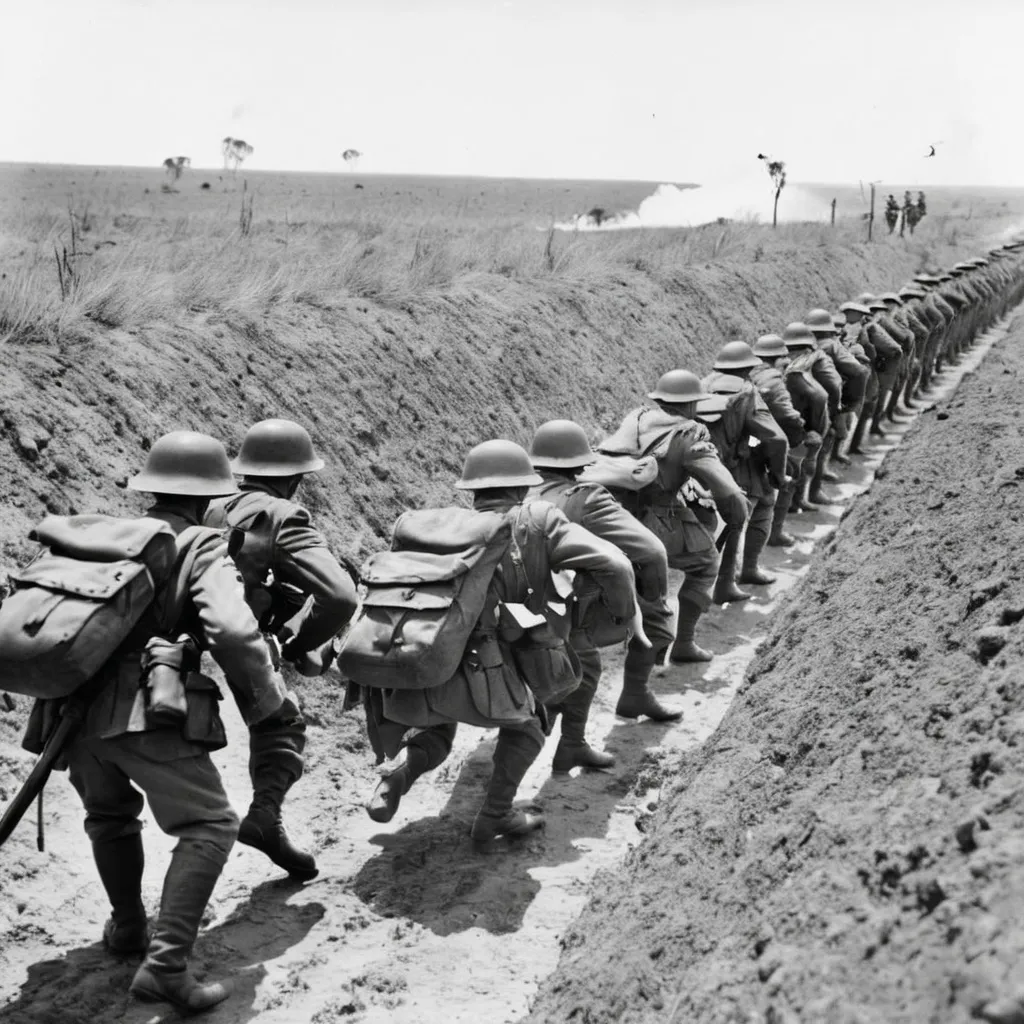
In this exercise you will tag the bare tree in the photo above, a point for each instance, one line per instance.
(174, 165)
(777, 172)
(235, 151)
(351, 157)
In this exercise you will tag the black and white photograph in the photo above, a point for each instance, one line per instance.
(512, 512)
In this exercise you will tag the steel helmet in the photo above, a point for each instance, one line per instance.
(769, 346)
(184, 462)
(736, 355)
(820, 321)
(911, 292)
(891, 297)
(678, 386)
(855, 307)
(839, 321)
(798, 335)
(497, 464)
(925, 279)
(276, 448)
(560, 444)
(979, 261)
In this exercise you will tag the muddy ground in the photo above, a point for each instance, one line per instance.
(848, 847)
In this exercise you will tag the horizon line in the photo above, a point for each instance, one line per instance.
(487, 177)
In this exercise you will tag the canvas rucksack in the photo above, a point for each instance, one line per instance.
(74, 604)
(424, 598)
(728, 429)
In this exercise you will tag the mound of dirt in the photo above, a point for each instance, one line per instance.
(848, 846)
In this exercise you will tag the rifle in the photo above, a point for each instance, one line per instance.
(72, 715)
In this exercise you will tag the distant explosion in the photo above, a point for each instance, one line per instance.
(671, 206)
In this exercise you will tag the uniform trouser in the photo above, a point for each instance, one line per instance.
(275, 758)
(759, 526)
(187, 799)
(701, 571)
(575, 709)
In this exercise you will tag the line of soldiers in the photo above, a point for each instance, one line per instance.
(753, 442)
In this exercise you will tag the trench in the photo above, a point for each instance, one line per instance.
(406, 922)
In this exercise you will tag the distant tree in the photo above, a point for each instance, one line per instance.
(777, 172)
(235, 151)
(351, 157)
(598, 215)
(174, 165)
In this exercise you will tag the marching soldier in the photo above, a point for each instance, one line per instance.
(559, 452)
(822, 368)
(684, 451)
(770, 379)
(117, 748)
(417, 727)
(854, 375)
(286, 565)
(893, 345)
(760, 471)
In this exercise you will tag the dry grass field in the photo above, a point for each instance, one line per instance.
(256, 244)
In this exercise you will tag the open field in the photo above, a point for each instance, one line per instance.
(402, 323)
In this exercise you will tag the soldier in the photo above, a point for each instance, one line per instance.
(892, 212)
(903, 314)
(893, 345)
(811, 401)
(942, 316)
(760, 471)
(117, 749)
(280, 540)
(768, 378)
(854, 376)
(822, 368)
(417, 727)
(559, 452)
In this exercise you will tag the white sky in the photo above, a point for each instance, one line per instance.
(683, 90)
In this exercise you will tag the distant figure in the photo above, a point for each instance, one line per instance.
(205, 186)
(908, 205)
(358, 185)
(913, 211)
(892, 212)
(174, 165)
(921, 208)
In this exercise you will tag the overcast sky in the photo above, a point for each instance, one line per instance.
(674, 90)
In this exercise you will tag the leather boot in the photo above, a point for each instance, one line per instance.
(394, 785)
(120, 863)
(816, 495)
(164, 976)
(515, 751)
(876, 417)
(753, 545)
(777, 537)
(636, 701)
(857, 440)
(726, 591)
(684, 649)
(573, 751)
(275, 764)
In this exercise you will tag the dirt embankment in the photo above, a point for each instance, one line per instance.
(848, 846)
(394, 397)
